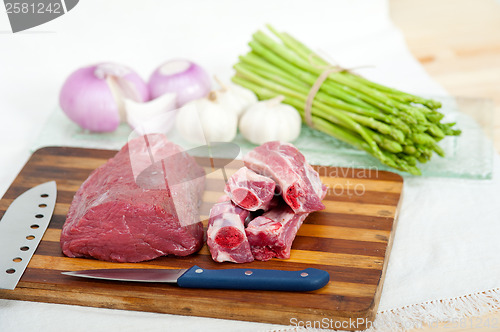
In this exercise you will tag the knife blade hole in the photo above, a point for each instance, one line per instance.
(39, 216)
(42, 205)
(25, 248)
(35, 226)
(44, 195)
(17, 259)
(10, 271)
(30, 237)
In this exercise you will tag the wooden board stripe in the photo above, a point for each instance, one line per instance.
(316, 231)
(368, 191)
(332, 219)
(343, 185)
(324, 218)
(51, 246)
(211, 197)
(350, 220)
(89, 162)
(363, 210)
(337, 273)
(344, 233)
(62, 151)
(320, 257)
(70, 162)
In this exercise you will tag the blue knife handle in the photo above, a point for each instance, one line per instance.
(256, 279)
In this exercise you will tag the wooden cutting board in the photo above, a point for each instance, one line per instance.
(351, 239)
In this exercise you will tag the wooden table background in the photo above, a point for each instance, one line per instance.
(458, 43)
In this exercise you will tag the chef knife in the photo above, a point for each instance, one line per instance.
(21, 230)
(195, 277)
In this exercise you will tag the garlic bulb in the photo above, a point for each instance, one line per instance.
(202, 121)
(235, 98)
(270, 120)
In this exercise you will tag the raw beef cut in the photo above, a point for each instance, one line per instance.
(250, 190)
(122, 214)
(299, 183)
(226, 236)
(272, 234)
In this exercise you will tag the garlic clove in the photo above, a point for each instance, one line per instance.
(203, 121)
(155, 116)
(121, 88)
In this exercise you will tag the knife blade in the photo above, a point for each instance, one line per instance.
(21, 230)
(196, 277)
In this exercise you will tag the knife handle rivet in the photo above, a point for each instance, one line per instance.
(248, 273)
(304, 274)
(198, 270)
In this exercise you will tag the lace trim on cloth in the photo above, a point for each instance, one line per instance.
(430, 314)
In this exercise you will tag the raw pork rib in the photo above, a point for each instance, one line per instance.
(250, 190)
(272, 234)
(113, 218)
(226, 236)
(300, 184)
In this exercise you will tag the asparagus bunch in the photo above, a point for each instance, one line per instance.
(397, 128)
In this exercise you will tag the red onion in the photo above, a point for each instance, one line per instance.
(183, 77)
(93, 96)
